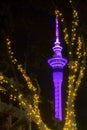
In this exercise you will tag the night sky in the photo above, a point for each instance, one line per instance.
(31, 26)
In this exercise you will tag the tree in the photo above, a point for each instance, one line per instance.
(76, 67)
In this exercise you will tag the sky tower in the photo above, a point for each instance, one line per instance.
(57, 62)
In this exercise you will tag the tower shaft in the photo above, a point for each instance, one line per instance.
(57, 80)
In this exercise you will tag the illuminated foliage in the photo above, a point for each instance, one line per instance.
(32, 110)
(76, 66)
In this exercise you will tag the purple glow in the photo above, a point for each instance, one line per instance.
(57, 32)
(57, 62)
(57, 79)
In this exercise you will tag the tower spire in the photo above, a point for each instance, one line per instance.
(57, 29)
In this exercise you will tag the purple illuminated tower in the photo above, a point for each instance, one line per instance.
(57, 62)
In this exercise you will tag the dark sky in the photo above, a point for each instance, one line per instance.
(31, 26)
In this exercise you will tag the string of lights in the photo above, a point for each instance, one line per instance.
(32, 112)
(76, 68)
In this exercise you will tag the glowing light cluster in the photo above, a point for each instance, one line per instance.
(76, 72)
(73, 85)
(74, 26)
(19, 66)
(70, 122)
(76, 67)
(65, 30)
(32, 111)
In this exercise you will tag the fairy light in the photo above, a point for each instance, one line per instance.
(70, 122)
(79, 48)
(73, 81)
(65, 31)
(72, 93)
(76, 66)
(34, 112)
(74, 26)
(19, 66)
(27, 79)
(73, 85)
